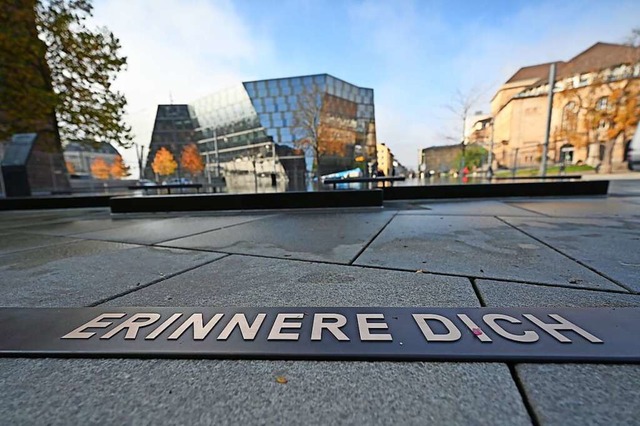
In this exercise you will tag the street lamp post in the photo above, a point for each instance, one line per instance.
(208, 166)
(215, 147)
(464, 125)
(273, 158)
(490, 169)
(255, 174)
(515, 162)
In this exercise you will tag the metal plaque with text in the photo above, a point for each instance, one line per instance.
(382, 333)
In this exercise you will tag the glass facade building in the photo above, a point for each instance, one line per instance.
(269, 120)
(174, 128)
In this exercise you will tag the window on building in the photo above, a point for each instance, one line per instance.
(602, 103)
(570, 116)
(603, 124)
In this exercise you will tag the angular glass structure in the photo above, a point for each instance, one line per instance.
(174, 128)
(278, 127)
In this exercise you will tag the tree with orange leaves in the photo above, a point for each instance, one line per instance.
(322, 126)
(100, 169)
(119, 169)
(621, 117)
(191, 160)
(163, 163)
(606, 111)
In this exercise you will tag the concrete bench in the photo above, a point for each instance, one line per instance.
(391, 179)
(197, 186)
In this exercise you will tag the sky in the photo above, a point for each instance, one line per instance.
(415, 54)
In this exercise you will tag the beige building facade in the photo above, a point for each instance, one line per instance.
(593, 94)
(385, 159)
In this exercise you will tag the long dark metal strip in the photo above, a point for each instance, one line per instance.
(383, 333)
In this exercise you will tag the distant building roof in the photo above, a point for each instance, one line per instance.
(534, 71)
(595, 58)
(89, 146)
(598, 57)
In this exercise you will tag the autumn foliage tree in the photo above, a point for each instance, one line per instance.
(191, 160)
(100, 169)
(606, 111)
(163, 163)
(318, 127)
(56, 73)
(119, 169)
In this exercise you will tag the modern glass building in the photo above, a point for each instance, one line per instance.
(260, 127)
(174, 128)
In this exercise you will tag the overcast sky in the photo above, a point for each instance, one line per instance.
(415, 54)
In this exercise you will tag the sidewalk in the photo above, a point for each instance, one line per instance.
(579, 252)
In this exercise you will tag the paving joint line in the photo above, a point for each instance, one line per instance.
(523, 395)
(630, 290)
(39, 247)
(476, 290)
(111, 241)
(214, 229)
(366, 246)
(507, 280)
(528, 210)
(149, 284)
(260, 256)
(434, 213)
(385, 268)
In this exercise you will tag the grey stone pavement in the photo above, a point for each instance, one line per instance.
(574, 252)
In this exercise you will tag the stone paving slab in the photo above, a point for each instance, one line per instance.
(150, 231)
(582, 394)
(84, 272)
(612, 247)
(508, 294)
(571, 394)
(81, 226)
(332, 237)
(17, 241)
(592, 207)
(252, 281)
(625, 186)
(474, 246)
(206, 392)
(117, 391)
(471, 208)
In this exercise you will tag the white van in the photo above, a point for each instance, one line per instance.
(633, 156)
